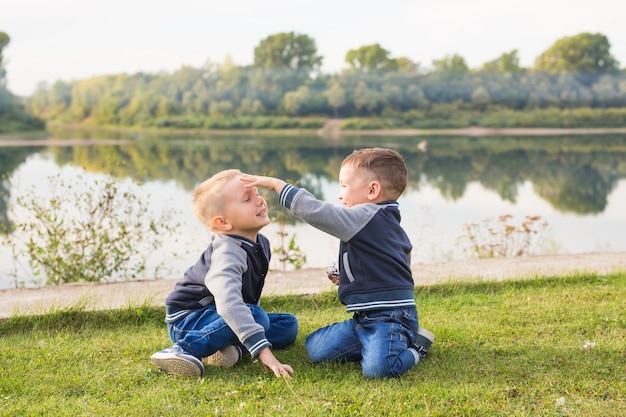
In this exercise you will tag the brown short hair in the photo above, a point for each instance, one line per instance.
(384, 165)
(207, 197)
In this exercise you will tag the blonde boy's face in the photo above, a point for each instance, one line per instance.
(244, 210)
(355, 186)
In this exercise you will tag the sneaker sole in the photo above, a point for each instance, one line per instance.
(228, 357)
(424, 338)
(427, 334)
(177, 366)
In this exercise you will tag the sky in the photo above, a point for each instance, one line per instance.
(77, 39)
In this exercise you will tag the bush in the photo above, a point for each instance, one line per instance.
(87, 231)
(498, 238)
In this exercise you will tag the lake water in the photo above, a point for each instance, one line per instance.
(577, 184)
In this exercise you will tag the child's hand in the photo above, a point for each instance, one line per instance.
(334, 278)
(281, 370)
(266, 182)
(332, 273)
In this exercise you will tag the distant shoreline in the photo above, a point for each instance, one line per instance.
(488, 131)
(331, 131)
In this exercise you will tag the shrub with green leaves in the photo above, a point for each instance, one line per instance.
(87, 231)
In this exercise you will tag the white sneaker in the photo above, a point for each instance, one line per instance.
(226, 356)
(176, 361)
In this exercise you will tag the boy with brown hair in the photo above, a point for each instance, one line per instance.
(374, 276)
(213, 313)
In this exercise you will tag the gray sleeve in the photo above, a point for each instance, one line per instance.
(341, 222)
(224, 280)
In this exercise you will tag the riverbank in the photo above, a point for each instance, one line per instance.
(331, 130)
(306, 281)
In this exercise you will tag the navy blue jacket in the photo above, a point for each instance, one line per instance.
(374, 250)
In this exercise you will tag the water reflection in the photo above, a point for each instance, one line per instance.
(576, 182)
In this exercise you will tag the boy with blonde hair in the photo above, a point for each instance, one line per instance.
(213, 313)
(374, 276)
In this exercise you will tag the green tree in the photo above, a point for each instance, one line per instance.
(221, 108)
(451, 65)
(6, 98)
(366, 99)
(586, 54)
(370, 58)
(481, 98)
(51, 101)
(287, 50)
(393, 96)
(610, 91)
(250, 107)
(416, 98)
(507, 63)
(4, 41)
(336, 97)
(407, 66)
(295, 101)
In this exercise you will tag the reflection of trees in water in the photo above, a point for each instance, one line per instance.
(10, 159)
(448, 175)
(580, 190)
(574, 174)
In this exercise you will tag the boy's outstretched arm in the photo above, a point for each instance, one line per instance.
(281, 370)
(270, 183)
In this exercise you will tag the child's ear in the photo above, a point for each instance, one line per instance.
(374, 190)
(220, 223)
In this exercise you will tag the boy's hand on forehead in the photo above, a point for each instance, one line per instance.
(255, 180)
(248, 179)
(270, 183)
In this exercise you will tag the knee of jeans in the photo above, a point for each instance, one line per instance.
(260, 316)
(291, 320)
(291, 333)
(377, 370)
(316, 353)
(315, 357)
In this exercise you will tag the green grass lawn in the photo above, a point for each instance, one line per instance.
(540, 347)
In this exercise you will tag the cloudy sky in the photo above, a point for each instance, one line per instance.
(76, 39)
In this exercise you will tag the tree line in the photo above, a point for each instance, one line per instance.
(14, 115)
(575, 82)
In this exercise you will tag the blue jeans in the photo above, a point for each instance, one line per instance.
(378, 339)
(204, 331)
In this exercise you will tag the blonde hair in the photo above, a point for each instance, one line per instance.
(207, 198)
(384, 165)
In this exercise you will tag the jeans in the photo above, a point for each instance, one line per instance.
(204, 331)
(378, 339)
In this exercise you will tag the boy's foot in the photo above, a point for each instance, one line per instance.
(226, 356)
(423, 341)
(176, 361)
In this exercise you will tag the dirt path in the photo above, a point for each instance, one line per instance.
(307, 281)
(332, 129)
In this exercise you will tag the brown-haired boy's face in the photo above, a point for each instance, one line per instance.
(244, 209)
(355, 186)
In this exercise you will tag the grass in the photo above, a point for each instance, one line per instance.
(540, 347)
